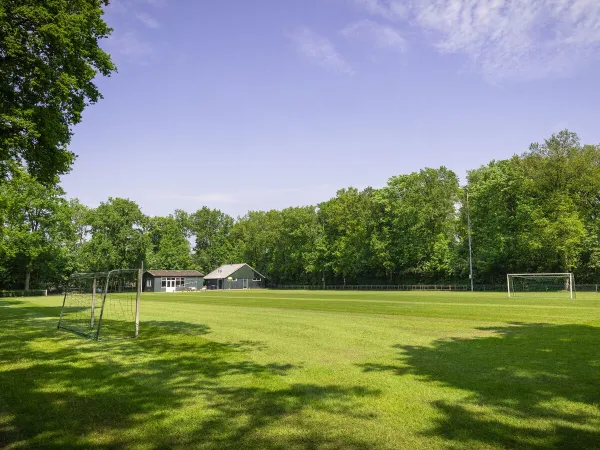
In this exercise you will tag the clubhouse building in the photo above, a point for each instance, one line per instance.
(235, 276)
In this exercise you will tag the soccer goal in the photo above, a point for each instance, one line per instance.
(547, 285)
(103, 304)
(190, 286)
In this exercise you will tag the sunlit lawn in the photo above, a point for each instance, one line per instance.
(292, 369)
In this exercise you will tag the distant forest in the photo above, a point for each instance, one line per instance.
(535, 212)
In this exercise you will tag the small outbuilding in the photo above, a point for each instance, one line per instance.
(172, 280)
(235, 276)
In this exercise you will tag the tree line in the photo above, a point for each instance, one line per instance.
(535, 212)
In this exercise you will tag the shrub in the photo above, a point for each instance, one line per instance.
(20, 293)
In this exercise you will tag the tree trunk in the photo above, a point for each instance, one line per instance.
(27, 278)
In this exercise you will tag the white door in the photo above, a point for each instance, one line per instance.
(170, 284)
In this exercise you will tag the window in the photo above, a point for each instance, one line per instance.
(148, 282)
(163, 282)
(180, 281)
(256, 279)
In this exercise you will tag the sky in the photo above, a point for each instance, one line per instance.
(263, 104)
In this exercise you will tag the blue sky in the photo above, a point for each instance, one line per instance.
(261, 104)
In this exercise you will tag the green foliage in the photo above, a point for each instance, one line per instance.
(29, 293)
(34, 230)
(537, 212)
(420, 222)
(49, 58)
(255, 238)
(279, 243)
(211, 230)
(118, 237)
(347, 224)
(169, 247)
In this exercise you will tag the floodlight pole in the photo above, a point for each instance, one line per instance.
(470, 244)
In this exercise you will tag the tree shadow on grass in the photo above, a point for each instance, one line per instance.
(58, 390)
(527, 386)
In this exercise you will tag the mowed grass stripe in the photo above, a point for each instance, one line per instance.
(508, 304)
(470, 308)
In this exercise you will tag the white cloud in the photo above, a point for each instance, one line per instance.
(319, 50)
(147, 20)
(211, 197)
(119, 8)
(157, 3)
(506, 40)
(389, 9)
(130, 41)
(130, 46)
(382, 36)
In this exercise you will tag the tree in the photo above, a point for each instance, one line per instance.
(211, 229)
(347, 221)
(255, 240)
(169, 247)
(538, 212)
(502, 220)
(420, 219)
(293, 258)
(118, 236)
(49, 58)
(566, 185)
(34, 228)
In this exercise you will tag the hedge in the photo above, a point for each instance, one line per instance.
(18, 293)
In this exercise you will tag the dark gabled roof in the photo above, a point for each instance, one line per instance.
(226, 270)
(174, 273)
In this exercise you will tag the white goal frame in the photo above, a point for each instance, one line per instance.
(100, 289)
(565, 276)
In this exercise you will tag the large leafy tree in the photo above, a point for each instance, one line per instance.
(296, 256)
(255, 240)
(35, 229)
(170, 248)
(419, 223)
(566, 185)
(118, 236)
(347, 222)
(49, 58)
(503, 215)
(211, 230)
(538, 212)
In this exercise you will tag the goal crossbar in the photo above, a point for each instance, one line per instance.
(540, 275)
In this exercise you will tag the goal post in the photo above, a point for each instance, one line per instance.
(541, 284)
(103, 304)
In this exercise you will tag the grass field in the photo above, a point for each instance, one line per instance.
(291, 369)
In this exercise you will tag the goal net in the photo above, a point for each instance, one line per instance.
(546, 285)
(190, 286)
(102, 304)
